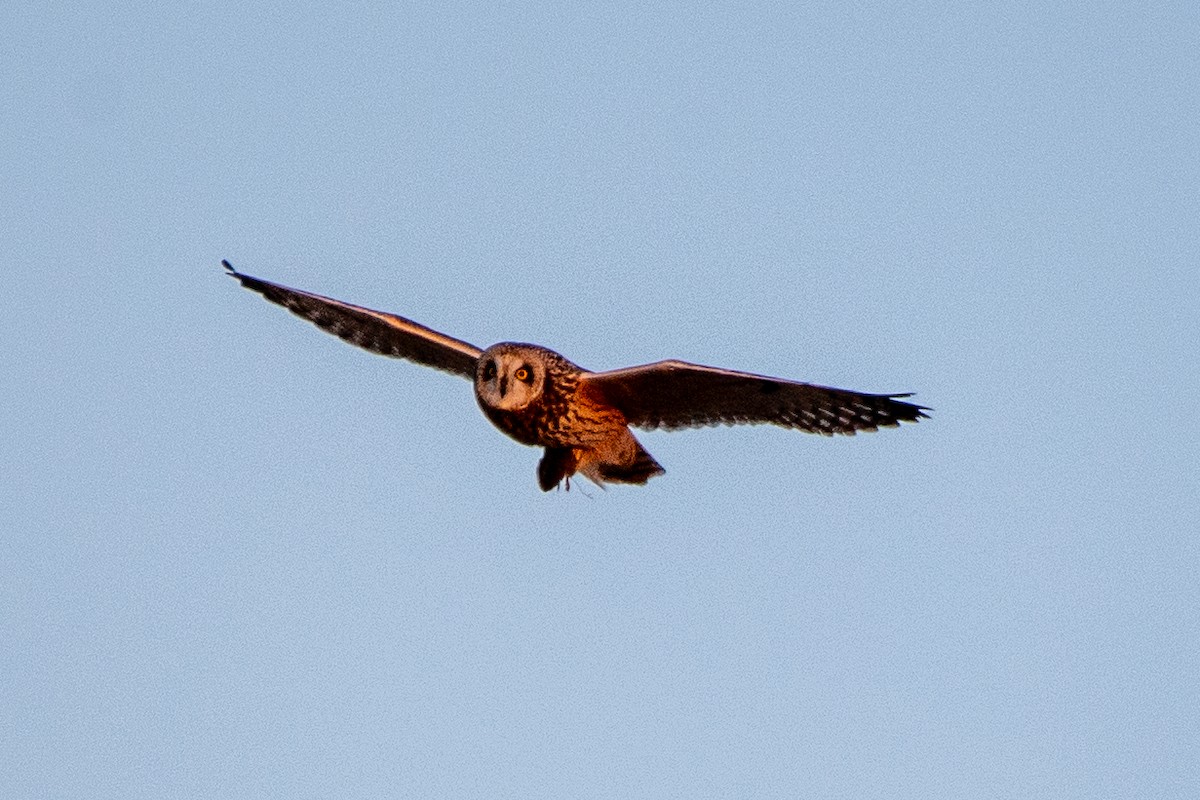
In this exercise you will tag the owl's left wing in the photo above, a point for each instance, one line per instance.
(377, 331)
(676, 394)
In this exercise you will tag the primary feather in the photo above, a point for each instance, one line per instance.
(377, 331)
(676, 394)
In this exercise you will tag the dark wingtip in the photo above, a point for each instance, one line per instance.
(906, 412)
(249, 282)
(915, 411)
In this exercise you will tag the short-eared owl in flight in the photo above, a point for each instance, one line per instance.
(582, 418)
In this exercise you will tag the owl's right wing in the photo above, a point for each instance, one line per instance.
(676, 394)
(379, 332)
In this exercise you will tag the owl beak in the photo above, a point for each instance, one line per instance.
(504, 386)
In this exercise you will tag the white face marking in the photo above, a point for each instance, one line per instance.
(509, 377)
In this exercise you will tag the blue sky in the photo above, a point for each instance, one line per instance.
(241, 558)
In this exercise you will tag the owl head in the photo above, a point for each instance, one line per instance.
(509, 376)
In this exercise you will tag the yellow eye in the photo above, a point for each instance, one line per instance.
(522, 375)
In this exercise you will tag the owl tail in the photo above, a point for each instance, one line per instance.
(638, 469)
(630, 464)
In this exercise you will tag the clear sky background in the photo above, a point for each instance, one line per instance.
(242, 559)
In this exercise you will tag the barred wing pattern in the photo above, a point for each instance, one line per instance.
(379, 332)
(676, 394)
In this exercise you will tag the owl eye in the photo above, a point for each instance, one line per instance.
(523, 374)
(489, 370)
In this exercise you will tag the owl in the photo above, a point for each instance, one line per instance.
(581, 418)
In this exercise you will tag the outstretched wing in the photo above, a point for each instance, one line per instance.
(676, 394)
(386, 334)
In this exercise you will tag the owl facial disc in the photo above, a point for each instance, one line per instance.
(510, 376)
